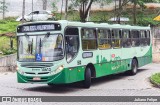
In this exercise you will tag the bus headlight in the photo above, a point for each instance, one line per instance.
(18, 70)
(59, 69)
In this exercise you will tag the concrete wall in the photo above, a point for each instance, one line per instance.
(156, 44)
(8, 63)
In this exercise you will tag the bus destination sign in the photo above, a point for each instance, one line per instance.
(39, 27)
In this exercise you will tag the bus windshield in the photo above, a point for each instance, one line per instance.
(40, 48)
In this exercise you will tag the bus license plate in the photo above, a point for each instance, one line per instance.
(36, 78)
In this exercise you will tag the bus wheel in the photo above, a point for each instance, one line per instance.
(87, 78)
(134, 67)
(23, 21)
(49, 84)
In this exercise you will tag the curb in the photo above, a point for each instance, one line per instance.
(154, 83)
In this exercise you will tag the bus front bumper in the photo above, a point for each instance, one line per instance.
(53, 79)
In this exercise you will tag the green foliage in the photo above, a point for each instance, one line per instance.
(84, 6)
(8, 25)
(77, 3)
(58, 16)
(156, 78)
(100, 16)
(3, 7)
(5, 45)
(145, 21)
(8, 51)
(4, 42)
(144, 18)
(54, 7)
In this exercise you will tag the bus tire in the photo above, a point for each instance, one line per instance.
(49, 84)
(22, 20)
(134, 67)
(87, 78)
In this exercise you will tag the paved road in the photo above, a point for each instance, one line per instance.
(115, 85)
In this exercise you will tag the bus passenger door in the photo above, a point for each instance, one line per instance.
(71, 49)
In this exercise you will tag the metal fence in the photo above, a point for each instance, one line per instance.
(8, 63)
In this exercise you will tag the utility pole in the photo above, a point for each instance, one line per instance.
(23, 11)
(66, 9)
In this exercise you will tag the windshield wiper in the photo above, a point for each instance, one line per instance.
(30, 44)
(40, 45)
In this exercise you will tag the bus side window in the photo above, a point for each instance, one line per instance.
(126, 38)
(116, 38)
(135, 38)
(143, 40)
(147, 37)
(104, 40)
(89, 38)
(71, 43)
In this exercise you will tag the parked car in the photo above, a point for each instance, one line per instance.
(38, 16)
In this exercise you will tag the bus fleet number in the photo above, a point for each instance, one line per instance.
(46, 69)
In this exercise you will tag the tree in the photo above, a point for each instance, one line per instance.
(61, 9)
(23, 11)
(118, 12)
(3, 8)
(66, 9)
(54, 7)
(84, 7)
(44, 4)
(123, 3)
(141, 4)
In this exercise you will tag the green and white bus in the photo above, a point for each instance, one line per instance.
(60, 52)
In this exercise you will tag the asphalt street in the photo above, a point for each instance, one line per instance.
(114, 85)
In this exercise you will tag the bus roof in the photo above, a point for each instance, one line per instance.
(92, 25)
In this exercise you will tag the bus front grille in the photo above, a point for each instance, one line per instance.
(43, 73)
(30, 73)
(35, 73)
(36, 65)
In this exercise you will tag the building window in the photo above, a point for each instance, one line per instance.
(89, 39)
(104, 39)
